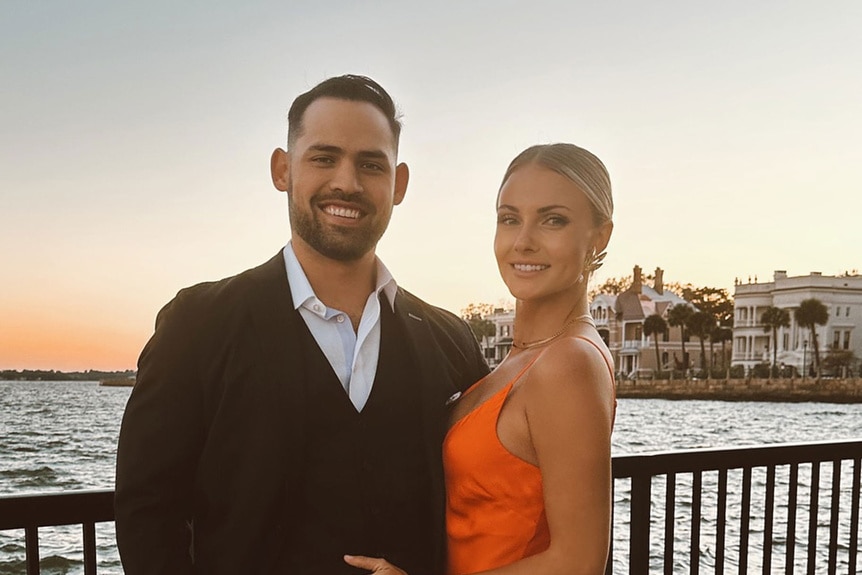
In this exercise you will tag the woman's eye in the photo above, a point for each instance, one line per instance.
(556, 221)
(506, 220)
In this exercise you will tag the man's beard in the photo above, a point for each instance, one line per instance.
(338, 243)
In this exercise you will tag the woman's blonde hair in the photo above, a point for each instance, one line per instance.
(580, 166)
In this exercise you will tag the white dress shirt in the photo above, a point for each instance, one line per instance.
(352, 355)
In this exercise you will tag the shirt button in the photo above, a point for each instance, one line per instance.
(340, 319)
(316, 307)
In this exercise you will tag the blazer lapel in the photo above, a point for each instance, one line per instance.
(277, 328)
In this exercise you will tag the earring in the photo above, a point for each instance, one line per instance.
(593, 261)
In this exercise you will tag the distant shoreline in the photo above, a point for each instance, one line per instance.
(52, 375)
(118, 382)
(776, 390)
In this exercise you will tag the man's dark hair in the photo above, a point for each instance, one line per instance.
(348, 87)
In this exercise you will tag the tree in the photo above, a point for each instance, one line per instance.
(655, 325)
(811, 313)
(475, 314)
(839, 361)
(700, 325)
(721, 335)
(677, 317)
(714, 301)
(772, 319)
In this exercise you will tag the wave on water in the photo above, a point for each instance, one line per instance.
(25, 479)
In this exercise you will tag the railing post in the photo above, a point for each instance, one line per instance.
(791, 517)
(833, 521)
(767, 520)
(813, 509)
(31, 543)
(669, 521)
(89, 549)
(854, 514)
(640, 525)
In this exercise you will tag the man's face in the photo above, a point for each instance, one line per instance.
(341, 178)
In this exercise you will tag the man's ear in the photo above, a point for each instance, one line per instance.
(402, 176)
(279, 169)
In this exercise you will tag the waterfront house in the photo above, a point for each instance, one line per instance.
(842, 296)
(620, 319)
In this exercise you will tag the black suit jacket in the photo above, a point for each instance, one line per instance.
(211, 445)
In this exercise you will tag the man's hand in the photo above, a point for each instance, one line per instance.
(376, 566)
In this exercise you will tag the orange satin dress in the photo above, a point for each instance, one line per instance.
(495, 512)
(495, 508)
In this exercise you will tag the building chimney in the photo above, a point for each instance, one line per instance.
(637, 282)
(658, 284)
(779, 275)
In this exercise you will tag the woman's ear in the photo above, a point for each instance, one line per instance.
(603, 236)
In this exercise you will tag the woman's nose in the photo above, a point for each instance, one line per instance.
(525, 241)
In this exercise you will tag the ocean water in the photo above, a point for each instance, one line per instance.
(57, 436)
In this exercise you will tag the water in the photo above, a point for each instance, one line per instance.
(56, 436)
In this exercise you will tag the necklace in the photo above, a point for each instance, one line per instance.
(538, 342)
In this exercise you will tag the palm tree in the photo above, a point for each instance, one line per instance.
(772, 319)
(655, 325)
(677, 316)
(722, 335)
(700, 324)
(811, 313)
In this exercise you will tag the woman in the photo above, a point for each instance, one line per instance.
(527, 456)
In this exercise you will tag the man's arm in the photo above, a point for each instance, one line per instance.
(160, 442)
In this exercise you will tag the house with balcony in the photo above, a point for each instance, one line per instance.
(620, 319)
(842, 296)
(496, 347)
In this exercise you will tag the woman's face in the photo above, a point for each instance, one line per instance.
(544, 232)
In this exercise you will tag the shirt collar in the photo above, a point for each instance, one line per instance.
(301, 289)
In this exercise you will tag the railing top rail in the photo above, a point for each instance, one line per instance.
(715, 459)
(57, 508)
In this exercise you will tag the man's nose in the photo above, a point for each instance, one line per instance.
(346, 178)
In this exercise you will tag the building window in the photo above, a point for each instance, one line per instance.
(786, 342)
(836, 339)
(847, 339)
(847, 311)
(837, 310)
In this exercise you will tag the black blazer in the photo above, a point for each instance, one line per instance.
(211, 445)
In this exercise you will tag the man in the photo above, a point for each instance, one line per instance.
(294, 413)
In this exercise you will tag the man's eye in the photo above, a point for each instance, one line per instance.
(372, 166)
(322, 160)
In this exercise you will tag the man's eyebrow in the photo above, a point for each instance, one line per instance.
(332, 149)
(326, 148)
(374, 154)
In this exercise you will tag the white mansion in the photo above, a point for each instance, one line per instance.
(841, 295)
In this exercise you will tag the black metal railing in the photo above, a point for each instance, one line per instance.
(646, 548)
(642, 470)
(30, 512)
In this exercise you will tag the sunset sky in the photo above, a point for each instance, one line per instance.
(135, 142)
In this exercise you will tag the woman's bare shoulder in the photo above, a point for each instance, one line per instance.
(572, 367)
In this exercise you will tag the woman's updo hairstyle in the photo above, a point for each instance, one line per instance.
(580, 166)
